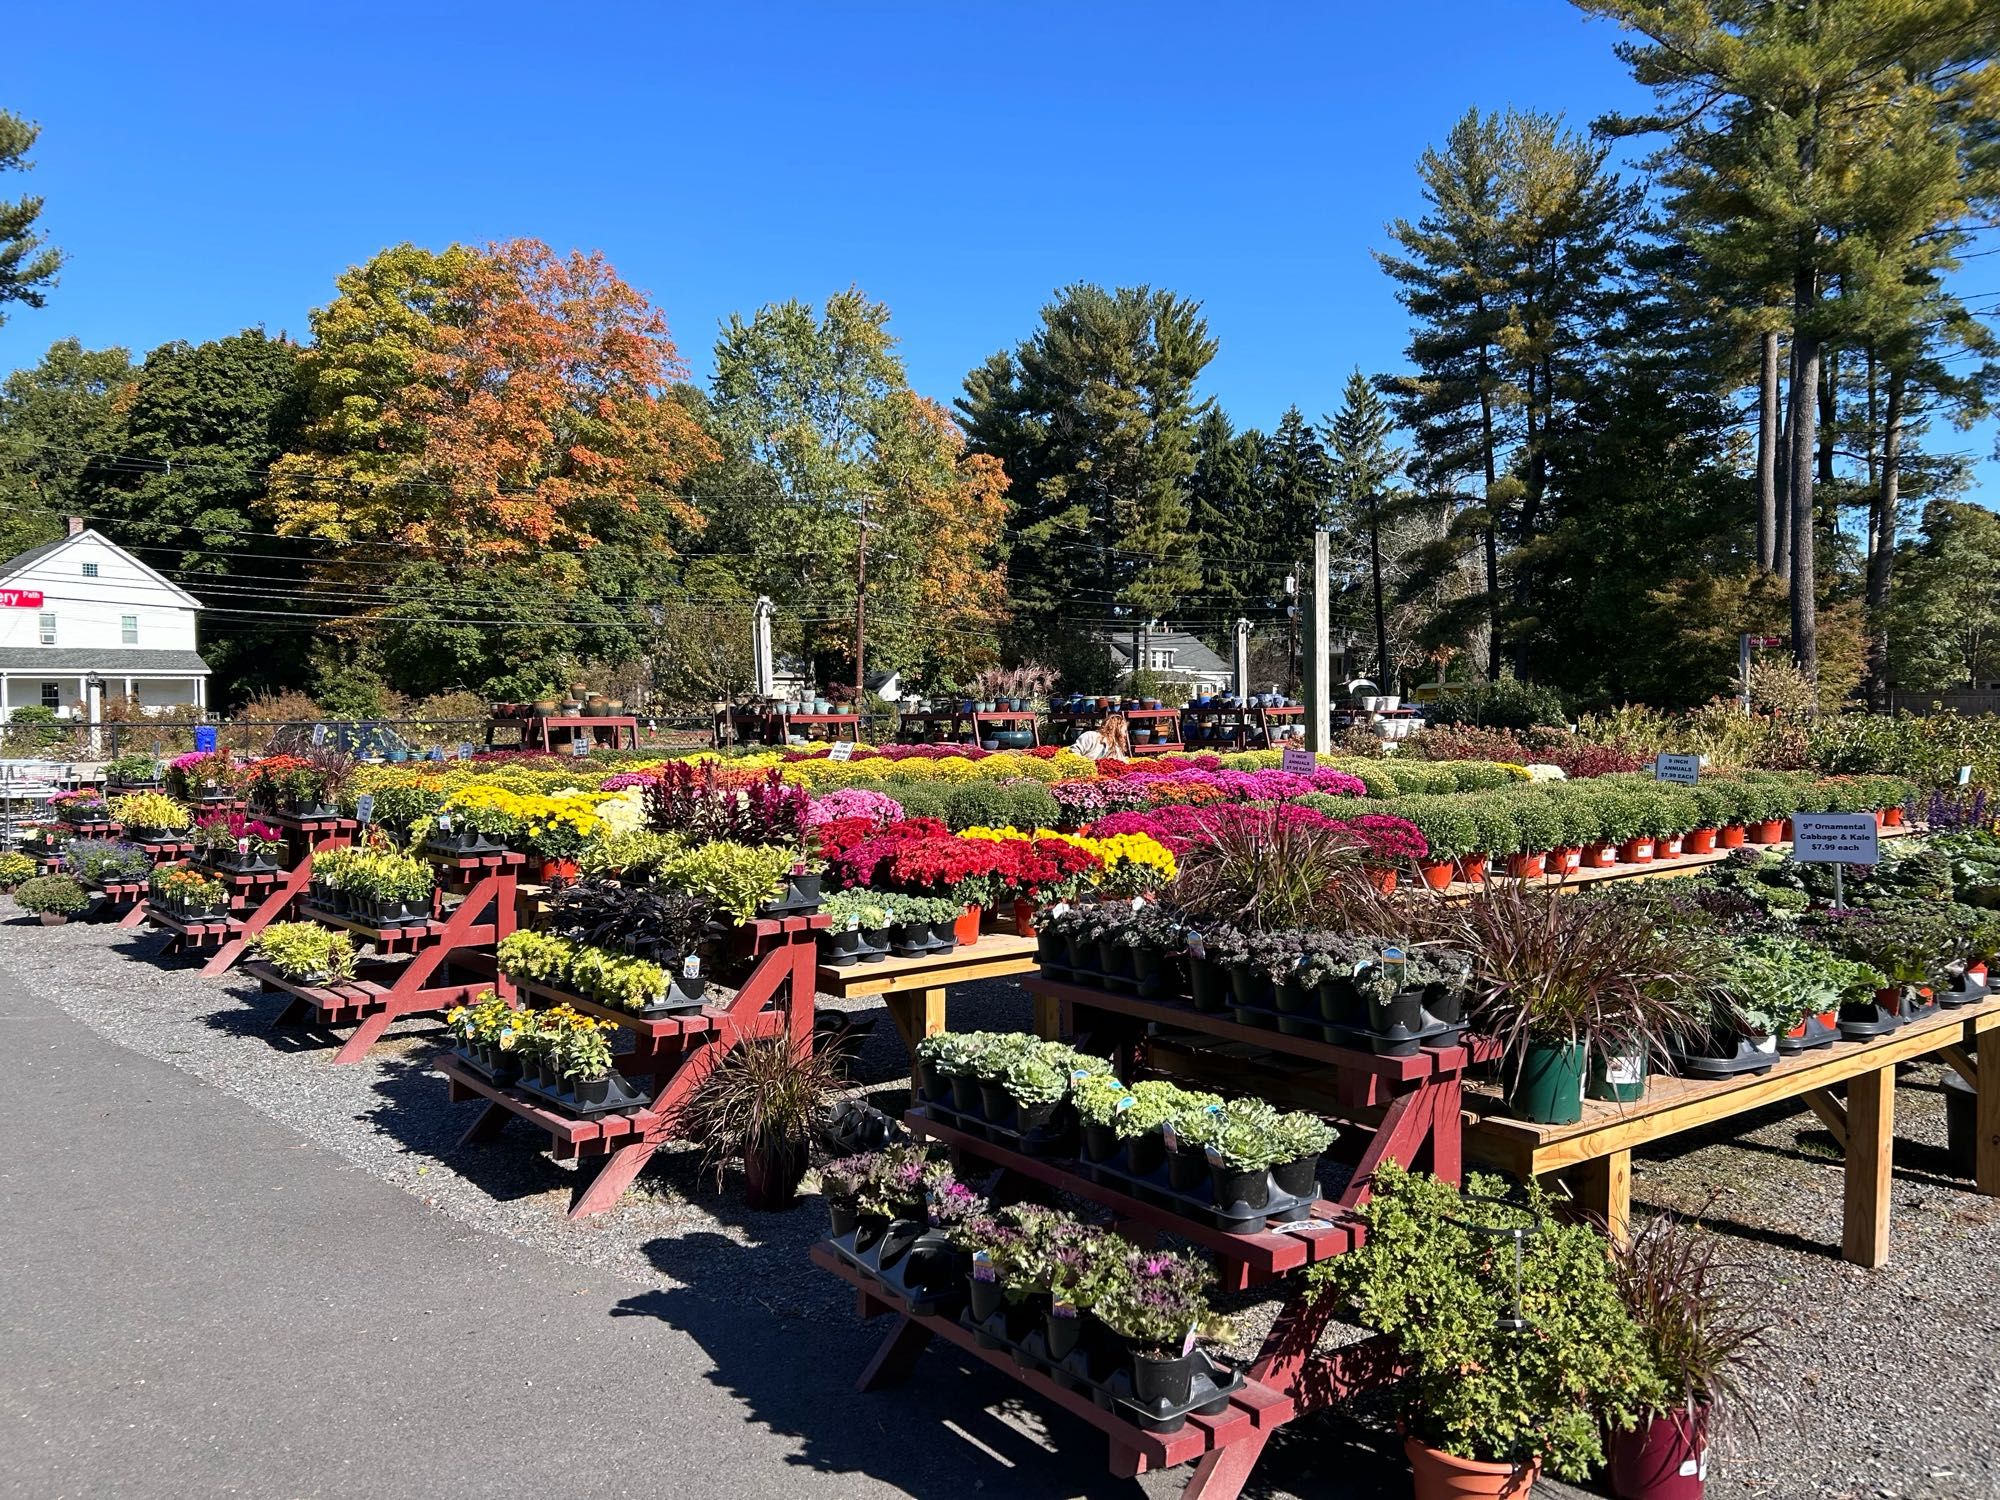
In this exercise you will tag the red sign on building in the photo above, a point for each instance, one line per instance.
(20, 598)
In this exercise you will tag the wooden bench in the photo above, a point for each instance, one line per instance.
(913, 989)
(1599, 1146)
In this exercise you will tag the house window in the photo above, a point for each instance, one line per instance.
(52, 695)
(1162, 660)
(128, 630)
(48, 629)
(90, 570)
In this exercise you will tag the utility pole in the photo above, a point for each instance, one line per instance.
(860, 602)
(1319, 637)
(1240, 656)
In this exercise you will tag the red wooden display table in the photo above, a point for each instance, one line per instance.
(247, 890)
(1064, 728)
(126, 897)
(676, 1052)
(304, 837)
(1406, 1109)
(545, 731)
(480, 920)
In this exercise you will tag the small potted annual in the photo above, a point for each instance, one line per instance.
(306, 953)
(151, 817)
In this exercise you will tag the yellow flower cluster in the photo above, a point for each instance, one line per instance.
(1133, 852)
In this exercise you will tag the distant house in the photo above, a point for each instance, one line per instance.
(103, 613)
(1173, 655)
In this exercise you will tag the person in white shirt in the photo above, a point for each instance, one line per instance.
(1108, 741)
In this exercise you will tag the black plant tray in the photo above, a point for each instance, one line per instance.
(1746, 1060)
(1054, 1142)
(1818, 1034)
(259, 866)
(1864, 1028)
(623, 1098)
(504, 1077)
(684, 997)
(923, 1269)
(1200, 1205)
(1108, 1383)
(1965, 992)
(1437, 1034)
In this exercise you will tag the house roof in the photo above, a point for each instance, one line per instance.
(16, 565)
(114, 660)
(1190, 654)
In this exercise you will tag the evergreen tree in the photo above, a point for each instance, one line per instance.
(1363, 469)
(28, 263)
(1094, 418)
(1227, 520)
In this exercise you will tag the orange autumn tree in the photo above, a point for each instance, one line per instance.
(502, 419)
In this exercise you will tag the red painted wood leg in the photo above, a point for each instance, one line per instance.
(897, 1356)
(136, 915)
(610, 1180)
(486, 1127)
(366, 1035)
(1222, 1473)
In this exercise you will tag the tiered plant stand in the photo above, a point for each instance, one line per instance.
(1243, 726)
(130, 895)
(831, 727)
(1010, 719)
(264, 899)
(676, 1052)
(423, 983)
(933, 727)
(1410, 1107)
(913, 989)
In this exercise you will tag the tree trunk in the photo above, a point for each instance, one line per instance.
(1781, 542)
(1881, 561)
(1768, 405)
(1829, 411)
(1383, 675)
(1805, 399)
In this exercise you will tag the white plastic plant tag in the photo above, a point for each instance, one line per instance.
(1195, 946)
(1187, 1344)
(444, 822)
(1059, 909)
(1171, 1136)
(210, 783)
(578, 749)
(1621, 1072)
(691, 966)
(364, 809)
(1138, 903)
(854, 922)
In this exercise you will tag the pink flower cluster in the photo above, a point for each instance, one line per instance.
(854, 802)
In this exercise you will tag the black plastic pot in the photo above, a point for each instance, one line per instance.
(1163, 1382)
(944, 936)
(1061, 1332)
(1145, 1154)
(1294, 999)
(390, 913)
(874, 944)
(771, 1176)
(1187, 1168)
(1400, 1016)
(1100, 1143)
(843, 1215)
(995, 1103)
(1252, 1189)
(464, 842)
(1444, 1004)
(1339, 1001)
(986, 1297)
(1029, 1118)
(965, 1094)
(840, 948)
(1208, 984)
(1148, 971)
(1296, 1178)
(1114, 959)
(910, 939)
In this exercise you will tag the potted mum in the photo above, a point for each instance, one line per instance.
(53, 898)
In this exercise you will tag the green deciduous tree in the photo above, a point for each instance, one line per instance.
(55, 418)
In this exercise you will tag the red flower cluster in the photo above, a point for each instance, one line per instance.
(843, 833)
(1028, 867)
(916, 855)
(1388, 840)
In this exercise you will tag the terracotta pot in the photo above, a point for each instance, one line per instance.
(1881, 817)
(1892, 817)
(1668, 846)
(1024, 918)
(1636, 852)
(1786, 832)
(1598, 856)
(1383, 880)
(1565, 859)
(1472, 868)
(1699, 841)
(966, 928)
(558, 871)
(1766, 831)
(1441, 1476)
(1729, 836)
(1437, 875)
(54, 918)
(1664, 1459)
(1525, 866)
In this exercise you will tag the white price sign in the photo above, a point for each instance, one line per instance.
(1834, 838)
(1297, 761)
(841, 750)
(1682, 769)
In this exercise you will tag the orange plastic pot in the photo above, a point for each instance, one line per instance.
(1636, 852)
(558, 871)
(1892, 817)
(1768, 831)
(966, 928)
(1565, 859)
(1598, 856)
(1438, 875)
(1699, 841)
(1667, 846)
(1729, 836)
(1024, 918)
(1384, 880)
(1444, 1476)
(1525, 866)
(1472, 868)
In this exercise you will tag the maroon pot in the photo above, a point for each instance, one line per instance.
(1664, 1459)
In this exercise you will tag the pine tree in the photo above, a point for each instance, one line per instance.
(28, 263)
(1227, 519)
(1363, 468)
(1094, 418)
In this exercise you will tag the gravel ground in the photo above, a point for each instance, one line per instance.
(1880, 1384)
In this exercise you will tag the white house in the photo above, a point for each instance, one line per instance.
(1171, 655)
(103, 613)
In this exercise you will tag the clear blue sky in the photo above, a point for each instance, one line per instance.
(213, 167)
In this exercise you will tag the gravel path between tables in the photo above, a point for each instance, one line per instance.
(1880, 1384)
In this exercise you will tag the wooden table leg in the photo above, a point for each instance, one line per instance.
(893, 1361)
(1871, 1130)
(1986, 1118)
(1048, 1018)
(917, 1014)
(1605, 1190)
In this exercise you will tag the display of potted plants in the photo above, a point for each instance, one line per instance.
(81, 809)
(389, 889)
(99, 862)
(237, 844)
(53, 898)
(1701, 1337)
(15, 868)
(132, 773)
(1508, 1373)
(305, 952)
(1449, 831)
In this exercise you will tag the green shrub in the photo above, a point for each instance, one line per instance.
(55, 894)
(1446, 822)
(920, 799)
(1505, 704)
(1373, 774)
(1537, 828)
(1493, 816)
(1479, 775)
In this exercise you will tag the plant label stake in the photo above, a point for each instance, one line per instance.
(1964, 775)
(364, 809)
(1683, 770)
(1835, 839)
(319, 735)
(578, 749)
(841, 750)
(465, 750)
(1297, 761)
